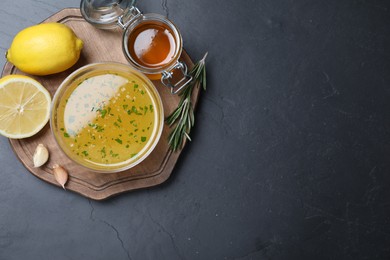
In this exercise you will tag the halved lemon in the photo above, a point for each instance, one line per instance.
(24, 106)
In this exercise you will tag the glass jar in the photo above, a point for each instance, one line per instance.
(151, 43)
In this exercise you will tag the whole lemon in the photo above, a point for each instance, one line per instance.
(45, 49)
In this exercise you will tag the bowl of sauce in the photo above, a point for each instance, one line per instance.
(151, 42)
(107, 117)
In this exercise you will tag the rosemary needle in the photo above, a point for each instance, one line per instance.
(183, 116)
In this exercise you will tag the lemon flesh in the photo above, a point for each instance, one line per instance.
(45, 49)
(24, 106)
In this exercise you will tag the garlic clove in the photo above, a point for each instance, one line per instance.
(60, 174)
(41, 155)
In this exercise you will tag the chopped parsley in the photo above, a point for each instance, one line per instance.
(103, 151)
(113, 154)
(103, 112)
(135, 111)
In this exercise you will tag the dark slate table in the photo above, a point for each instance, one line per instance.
(290, 156)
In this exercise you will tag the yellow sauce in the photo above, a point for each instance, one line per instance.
(106, 119)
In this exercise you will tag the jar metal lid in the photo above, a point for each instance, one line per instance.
(106, 14)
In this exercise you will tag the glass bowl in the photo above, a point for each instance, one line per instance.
(107, 117)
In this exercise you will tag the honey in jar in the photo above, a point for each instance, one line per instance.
(152, 44)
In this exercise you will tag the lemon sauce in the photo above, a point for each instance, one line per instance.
(106, 119)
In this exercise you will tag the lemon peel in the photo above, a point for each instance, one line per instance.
(45, 49)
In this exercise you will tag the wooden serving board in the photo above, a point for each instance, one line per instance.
(99, 46)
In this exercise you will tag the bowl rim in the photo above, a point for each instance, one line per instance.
(156, 99)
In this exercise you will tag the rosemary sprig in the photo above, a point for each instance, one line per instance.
(183, 115)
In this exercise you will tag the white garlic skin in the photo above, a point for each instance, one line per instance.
(60, 174)
(41, 155)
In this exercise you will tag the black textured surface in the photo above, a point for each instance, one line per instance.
(290, 153)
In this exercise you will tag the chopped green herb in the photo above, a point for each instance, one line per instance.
(66, 134)
(103, 151)
(117, 125)
(109, 110)
(143, 138)
(125, 107)
(62, 129)
(113, 154)
(134, 154)
(118, 141)
(103, 113)
(135, 111)
(85, 153)
(99, 128)
(119, 119)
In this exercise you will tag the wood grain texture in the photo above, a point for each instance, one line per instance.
(99, 46)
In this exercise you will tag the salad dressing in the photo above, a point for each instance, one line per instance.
(106, 119)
